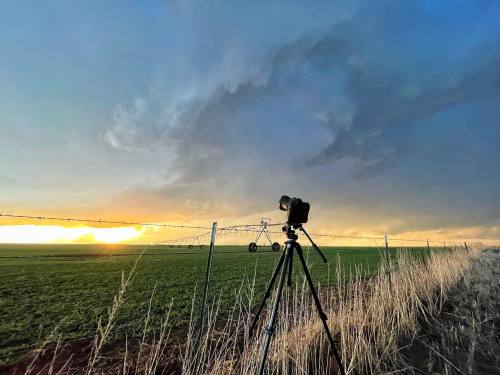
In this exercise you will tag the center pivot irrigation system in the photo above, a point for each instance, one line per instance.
(252, 246)
(192, 241)
(196, 242)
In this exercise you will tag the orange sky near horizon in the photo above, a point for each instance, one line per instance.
(59, 234)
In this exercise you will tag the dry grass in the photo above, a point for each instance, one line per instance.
(103, 331)
(367, 317)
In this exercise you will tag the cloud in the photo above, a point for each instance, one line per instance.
(341, 103)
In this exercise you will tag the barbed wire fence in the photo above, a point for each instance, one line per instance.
(238, 228)
(239, 231)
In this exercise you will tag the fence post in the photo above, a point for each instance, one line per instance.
(207, 280)
(428, 249)
(466, 247)
(387, 259)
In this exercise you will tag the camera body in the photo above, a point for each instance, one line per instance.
(297, 210)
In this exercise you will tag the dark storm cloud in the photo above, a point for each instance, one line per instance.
(357, 114)
(382, 108)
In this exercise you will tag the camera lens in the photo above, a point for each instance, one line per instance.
(284, 202)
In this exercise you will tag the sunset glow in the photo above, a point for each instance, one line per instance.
(60, 234)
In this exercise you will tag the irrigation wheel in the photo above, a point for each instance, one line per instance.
(276, 246)
(252, 247)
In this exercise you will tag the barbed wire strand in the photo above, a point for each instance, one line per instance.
(99, 221)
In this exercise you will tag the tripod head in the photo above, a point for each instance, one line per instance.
(290, 229)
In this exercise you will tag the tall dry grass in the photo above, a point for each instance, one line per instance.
(367, 316)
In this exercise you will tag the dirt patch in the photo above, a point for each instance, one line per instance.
(75, 352)
(464, 338)
(71, 358)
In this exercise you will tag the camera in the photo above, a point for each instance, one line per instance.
(297, 210)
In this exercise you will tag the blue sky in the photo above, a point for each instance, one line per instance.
(385, 115)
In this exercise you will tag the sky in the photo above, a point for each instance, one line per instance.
(384, 115)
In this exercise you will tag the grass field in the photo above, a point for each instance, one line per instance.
(71, 286)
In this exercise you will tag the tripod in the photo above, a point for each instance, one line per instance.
(285, 265)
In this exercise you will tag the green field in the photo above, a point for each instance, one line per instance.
(42, 286)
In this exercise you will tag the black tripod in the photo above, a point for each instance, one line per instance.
(285, 265)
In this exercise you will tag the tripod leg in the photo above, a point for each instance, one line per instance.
(269, 330)
(321, 313)
(268, 293)
(289, 283)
